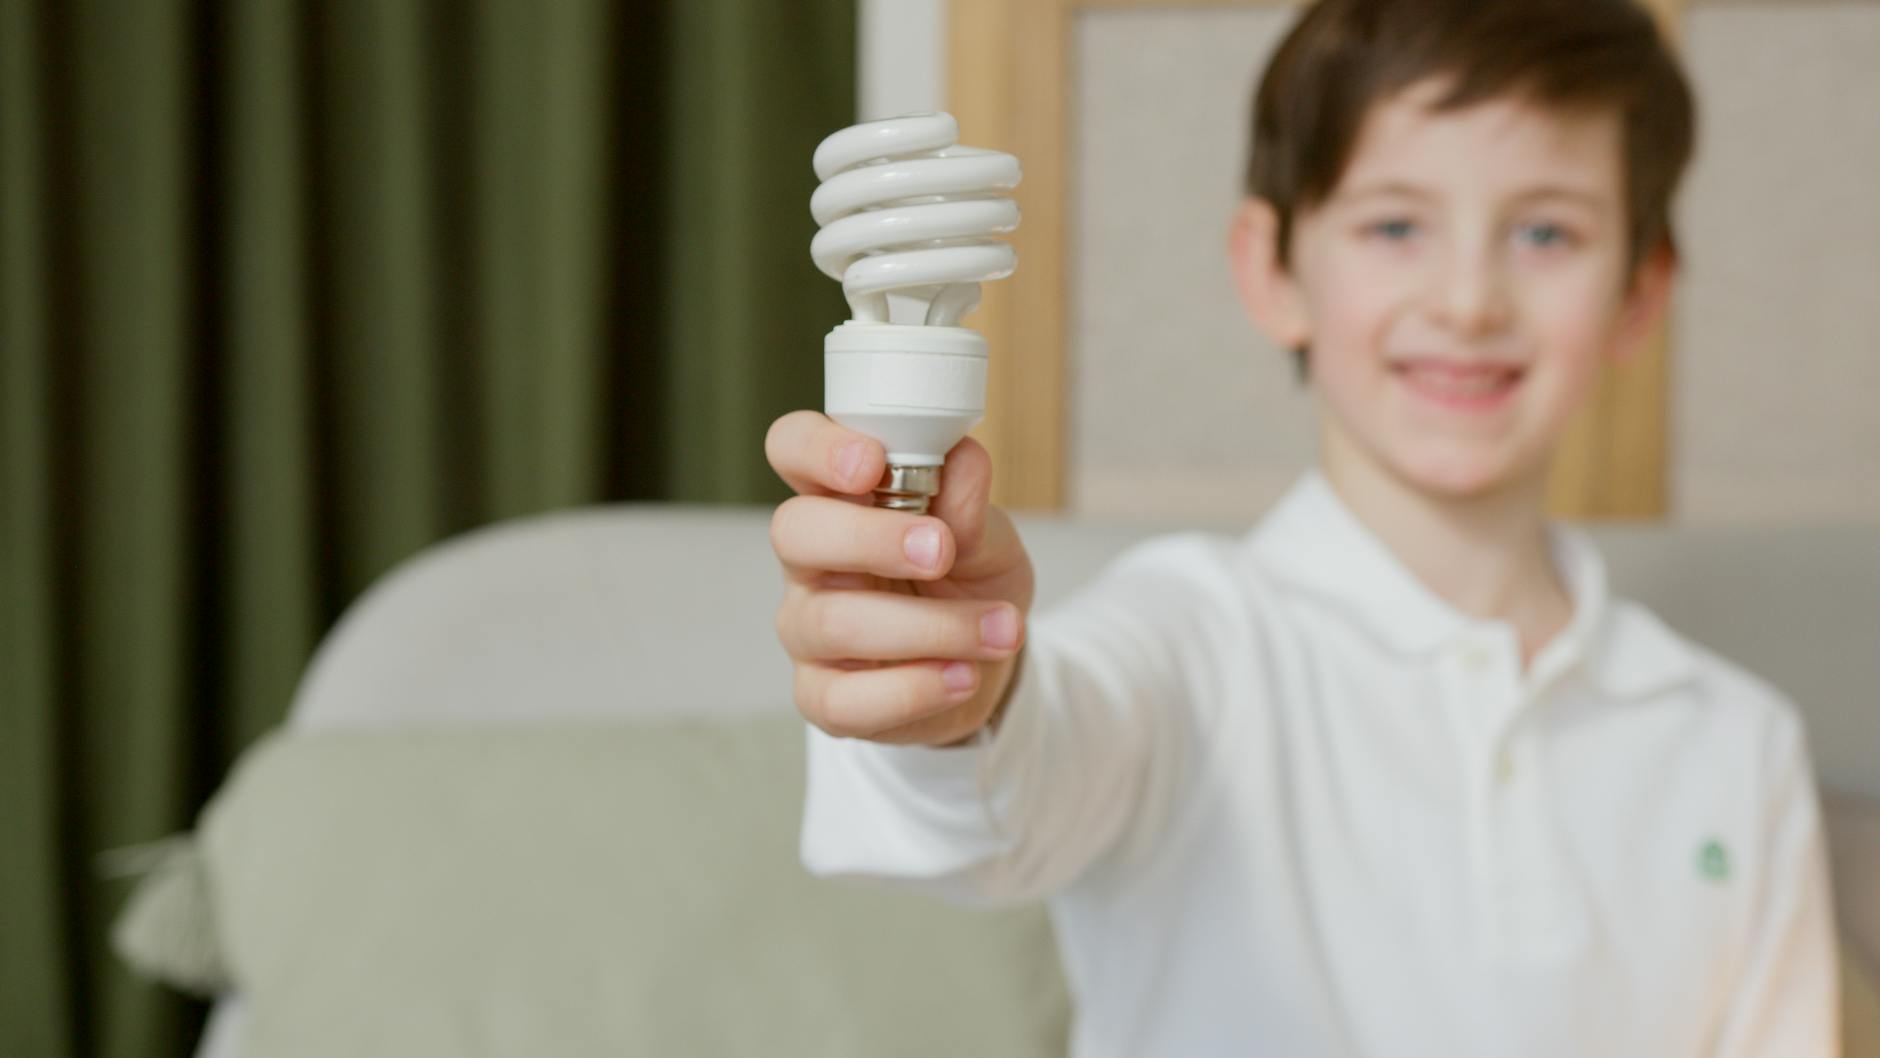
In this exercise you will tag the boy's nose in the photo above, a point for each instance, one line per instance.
(1469, 296)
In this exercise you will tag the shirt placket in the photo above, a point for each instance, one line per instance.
(1525, 907)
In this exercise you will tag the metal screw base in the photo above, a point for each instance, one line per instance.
(905, 488)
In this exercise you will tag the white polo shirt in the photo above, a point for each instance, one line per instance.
(1284, 800)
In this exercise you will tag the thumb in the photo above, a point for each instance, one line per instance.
(965, 489)
(985, 541)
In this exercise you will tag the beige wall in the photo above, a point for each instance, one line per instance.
(1179, 409)
(1776, 398)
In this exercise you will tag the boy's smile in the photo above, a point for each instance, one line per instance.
(1459, 287)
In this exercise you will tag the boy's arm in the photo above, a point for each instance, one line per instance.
(1082, 756)
(1787, 1001)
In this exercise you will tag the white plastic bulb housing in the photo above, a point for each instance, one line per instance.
(910, 219)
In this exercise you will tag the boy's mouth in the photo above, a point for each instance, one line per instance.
(1459, 386)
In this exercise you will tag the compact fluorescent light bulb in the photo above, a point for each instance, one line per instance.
(906, 212)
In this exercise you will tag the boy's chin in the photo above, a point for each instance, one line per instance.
(1443, 469)
(1460, 476)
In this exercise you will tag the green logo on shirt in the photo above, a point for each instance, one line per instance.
(1712, 861)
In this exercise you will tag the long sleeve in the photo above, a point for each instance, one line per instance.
(1082, 760)
(1787, 999)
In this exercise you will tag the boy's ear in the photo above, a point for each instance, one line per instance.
(1267, 289)
(1646, 301)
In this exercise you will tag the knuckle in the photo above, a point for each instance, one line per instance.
(859, 533)
(843, 713)
(783, 522)
(949, 632)
(828, 623)
(899, 698)
(812, 700)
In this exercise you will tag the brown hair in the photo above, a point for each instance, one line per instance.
(1345, 55)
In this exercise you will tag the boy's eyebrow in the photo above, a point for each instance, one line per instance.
(1591, 199)
(1585, 196)
(1386, 188)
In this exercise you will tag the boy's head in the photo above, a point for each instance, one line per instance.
(1456, 209)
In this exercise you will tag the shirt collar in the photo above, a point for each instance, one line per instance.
(1312, 541)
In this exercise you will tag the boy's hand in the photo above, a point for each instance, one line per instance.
(904, 628)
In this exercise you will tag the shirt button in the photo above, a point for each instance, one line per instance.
(1476, 657)
(1504, 767)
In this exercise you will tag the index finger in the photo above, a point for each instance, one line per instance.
(817, 456)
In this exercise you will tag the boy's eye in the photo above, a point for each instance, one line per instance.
(1544, 235)
(1396, 229)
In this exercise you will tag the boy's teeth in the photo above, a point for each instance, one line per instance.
(1460, 382)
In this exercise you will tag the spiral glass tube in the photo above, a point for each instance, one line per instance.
(905, 210)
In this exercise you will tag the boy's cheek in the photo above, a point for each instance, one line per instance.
(1575, 322)
(1354, 312)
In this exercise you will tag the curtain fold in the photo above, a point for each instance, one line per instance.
(290, 289)
(36, 967)
(734, 222)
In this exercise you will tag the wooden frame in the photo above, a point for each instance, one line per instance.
(1008, 77)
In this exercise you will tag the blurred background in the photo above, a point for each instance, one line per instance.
(290, 290)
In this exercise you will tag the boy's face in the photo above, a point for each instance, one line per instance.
(1459, 287)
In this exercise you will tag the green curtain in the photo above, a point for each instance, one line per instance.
(290, 289)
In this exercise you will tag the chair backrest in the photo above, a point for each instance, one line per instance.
(1797, 605)
(640, 610)
(654, 610)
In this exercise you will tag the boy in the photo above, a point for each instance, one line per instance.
(1393, 774)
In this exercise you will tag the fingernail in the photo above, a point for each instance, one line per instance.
(922, 545)
(958, 676)
(998, 629)
(849, 461)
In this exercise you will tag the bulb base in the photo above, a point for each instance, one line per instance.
(916, 389)
(907, 488)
